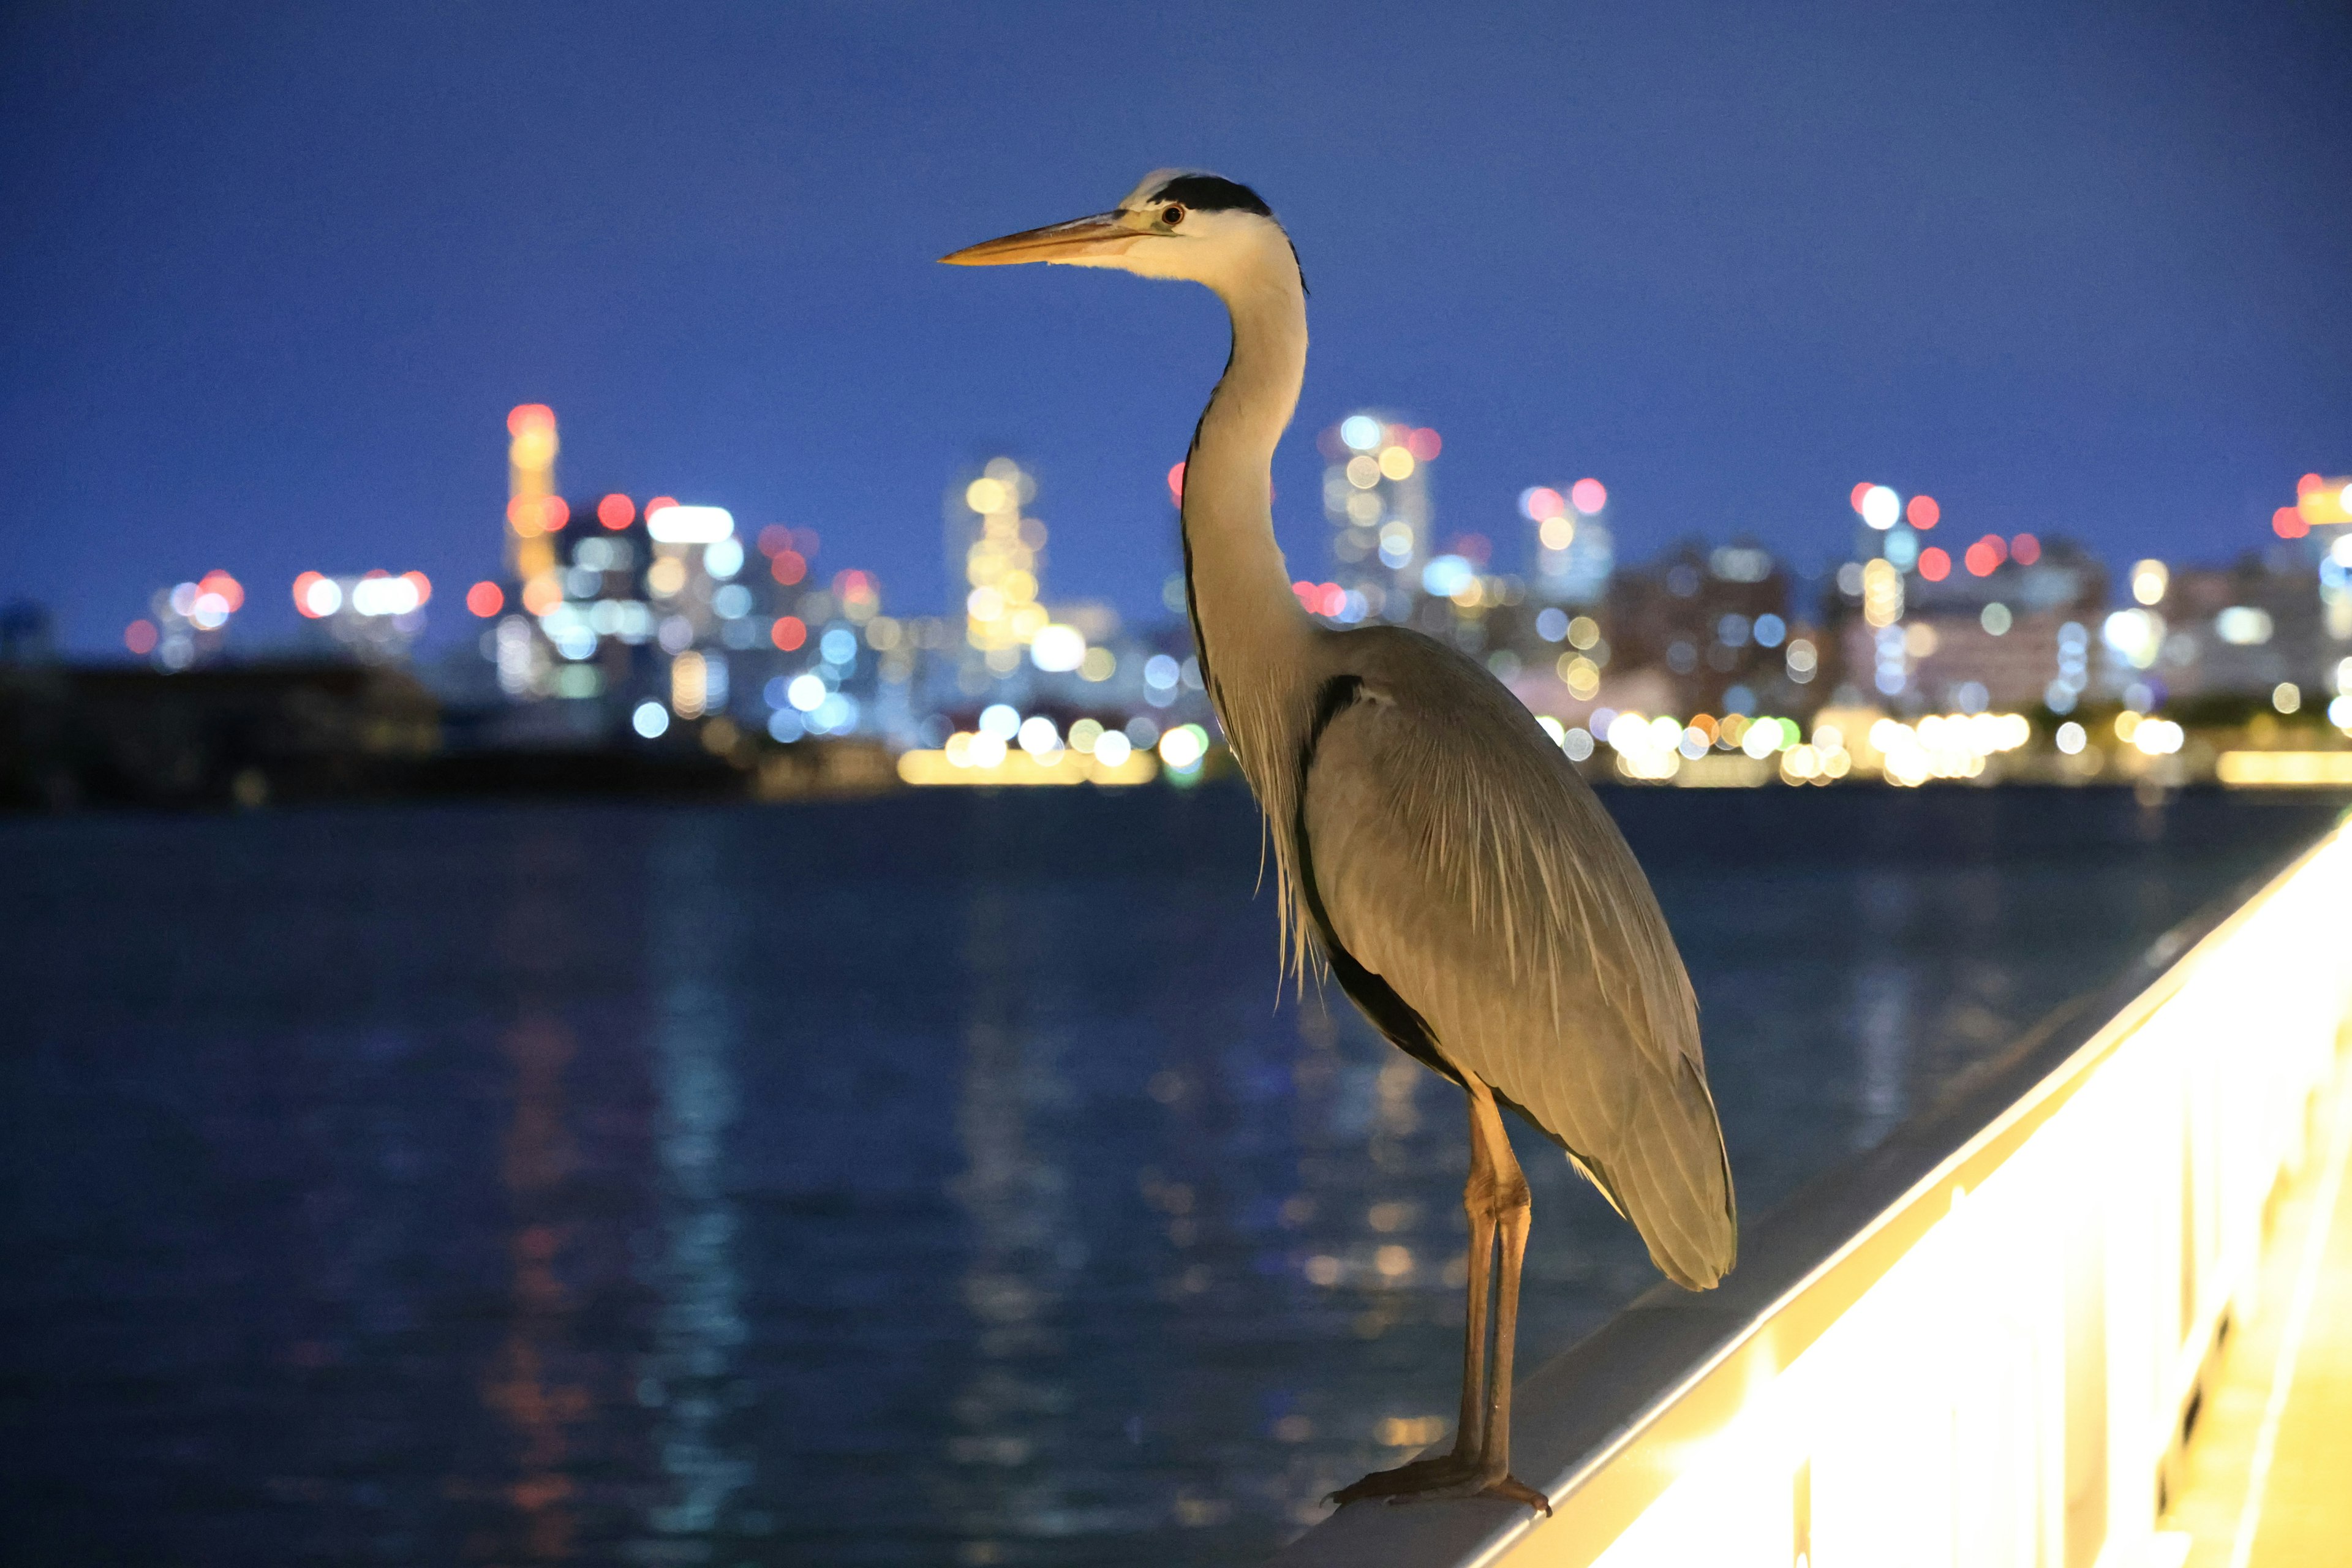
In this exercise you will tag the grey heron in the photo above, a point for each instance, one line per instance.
(1433, 848)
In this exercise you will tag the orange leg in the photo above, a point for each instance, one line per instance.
(1479, 1465)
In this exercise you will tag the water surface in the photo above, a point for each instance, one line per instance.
(929, 1180)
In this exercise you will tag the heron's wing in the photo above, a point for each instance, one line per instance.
(1450, 850)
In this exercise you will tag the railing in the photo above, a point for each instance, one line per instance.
(1983, 1342)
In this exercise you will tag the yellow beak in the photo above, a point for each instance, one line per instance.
(1076, 240)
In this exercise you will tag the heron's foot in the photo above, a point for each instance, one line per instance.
(1447, 1476)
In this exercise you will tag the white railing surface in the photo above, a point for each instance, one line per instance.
(1980, 1342)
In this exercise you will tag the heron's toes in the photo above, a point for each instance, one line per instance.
(1447, 1476)
(1420, 1478)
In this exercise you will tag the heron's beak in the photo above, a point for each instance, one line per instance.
(1079, 240)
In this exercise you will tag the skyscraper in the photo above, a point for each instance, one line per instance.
(998, 553)
(1376, 495)
(1574, 549)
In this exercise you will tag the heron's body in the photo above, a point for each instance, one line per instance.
(1437, 851)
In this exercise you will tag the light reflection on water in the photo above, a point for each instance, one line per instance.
(910, 1182)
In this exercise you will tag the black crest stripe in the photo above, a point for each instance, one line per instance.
(1212, 193)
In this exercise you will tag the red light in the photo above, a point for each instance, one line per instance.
(1861, 490)
(2287, 523)
(2308, 483)
(139, 637)
(1176, 485)
(421, 582)
(616, 512)
(553, 513)
(1424, 445)
(227, 587)
(2026, 550)
(1983, 556)
(658, 502)
(303, 584)
(1924, 512)
(486, 599)
(1542, 504)
(775, 539)
(1335, 598)
(789, 567)
(804, 541)
(523, 515)
(1589, 496)
(1306, 592)
(789, 633)
(1935, 566)
(853, 585)
(531, 417)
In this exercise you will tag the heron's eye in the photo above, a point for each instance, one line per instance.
(1172, 216)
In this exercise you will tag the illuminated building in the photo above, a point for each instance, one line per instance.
(1574, 551)
(534, 512)
(374, 615)
(1376, 497)
(2240, 630)
(1714, 624)
(1004, 648)
(998, 553)
(190, 624)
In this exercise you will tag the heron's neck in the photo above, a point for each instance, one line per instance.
(1252, 633)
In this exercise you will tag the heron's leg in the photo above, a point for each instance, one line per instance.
(1515, 1209)
(1495, 1197)
(1470, 1432)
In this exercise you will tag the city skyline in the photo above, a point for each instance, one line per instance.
(276, 281)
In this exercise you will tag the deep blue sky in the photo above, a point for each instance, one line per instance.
(272, 276)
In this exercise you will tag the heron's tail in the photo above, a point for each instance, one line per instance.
(1674, 1180)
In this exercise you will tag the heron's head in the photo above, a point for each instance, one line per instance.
(1176, 224)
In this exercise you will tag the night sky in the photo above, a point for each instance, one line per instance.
(272, 276)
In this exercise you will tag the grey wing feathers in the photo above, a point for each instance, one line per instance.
(1457, 856)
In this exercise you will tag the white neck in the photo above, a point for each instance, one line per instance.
(1254, 638)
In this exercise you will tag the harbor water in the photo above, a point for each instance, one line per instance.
(945, 1178)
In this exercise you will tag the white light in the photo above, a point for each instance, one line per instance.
(691, 525)
(806, 692)
(723, 557)
(1183, 747)
(650, 720)
(1038, 736)
(1112, 749)
(383, 595)
(209, 611)
(1447, 576)
(2135, 635)
(1881, 508)
(1763, 738)
(2341, 551)
(986, 750)
(1360, 431)
(1001, 720)
(2241, 626)
(324, 597)
(2071, 738)
(1159, 672)
(2339, 712)
(1058, 649)
(836, 715)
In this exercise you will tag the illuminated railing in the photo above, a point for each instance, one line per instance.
(1980, 1343)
